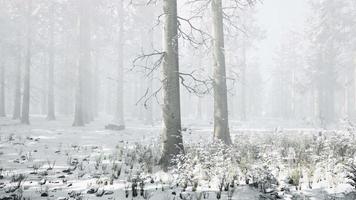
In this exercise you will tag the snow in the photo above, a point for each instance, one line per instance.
(83, 159)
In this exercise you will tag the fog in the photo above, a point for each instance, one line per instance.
(282, 42)
(177, 72)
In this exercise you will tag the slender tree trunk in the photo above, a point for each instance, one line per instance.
(25, 118)
(148, 104)
(172, 140)
(51, 104)
(147, 38)
(96, 88)
(17, 94)
(199, 114)
(243, 82)
(88, 94)
(80, 115)
(221, 121)
(88, 69)
(2, 92)
(119, 114)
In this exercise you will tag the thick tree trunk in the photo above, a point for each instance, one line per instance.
(51, 104)
(119, 114)
(25, 118)
(221, 121)
(172, 140)
(17, 94)
(2, 92)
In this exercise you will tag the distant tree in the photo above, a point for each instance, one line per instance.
(51, 100)
(119, 114)
(332, 29)
(81, 115)
(2, 90)
(17, 92)
(25, 117)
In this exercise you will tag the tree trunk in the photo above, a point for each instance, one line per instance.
(80, 116)
(147, 39)
(25, 118)
(96, 88)
(199, 114)
(86, 53)
(17, 94)
(172, 140)
(148, 104)
(2, 92)
(243, 81)
(119, 114)
(51, 104)
(221, 121)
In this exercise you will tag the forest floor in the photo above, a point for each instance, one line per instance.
(52, 160)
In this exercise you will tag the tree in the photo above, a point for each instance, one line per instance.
(2, 91)
(330, 33)
(51, 104)
(17, 93)
(172, 140)
(221, 121)
(84, 56)
(25, 117)
(119, 114)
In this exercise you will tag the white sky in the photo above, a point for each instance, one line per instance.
(277, 17)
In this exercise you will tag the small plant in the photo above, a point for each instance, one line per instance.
(134, 188)
(351, 176)
(127, 192)
(116, 170)
(51, 164)
(294, 178)
(19, 179)
(98, 161)
(142, 188)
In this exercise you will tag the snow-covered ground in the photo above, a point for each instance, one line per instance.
(57, 161)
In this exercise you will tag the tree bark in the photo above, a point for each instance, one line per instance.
(243, 81)
(25, 118)
(119, 114)
(87, 63)
(96, 87)
(51, 104)
(17, 94)
(221, 121)
(2, 92)
(172, 140)
(80, 115)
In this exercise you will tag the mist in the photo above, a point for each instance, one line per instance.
(167, 99)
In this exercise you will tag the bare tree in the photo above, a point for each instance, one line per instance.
(221, 121)
(172, 141)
